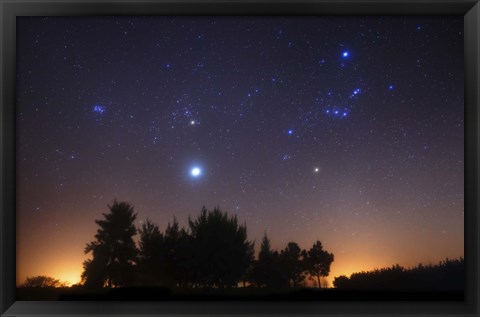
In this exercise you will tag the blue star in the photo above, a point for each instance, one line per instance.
(99, 109)
(290, 132)
(355, 92)
(391, 87)
(345, 54)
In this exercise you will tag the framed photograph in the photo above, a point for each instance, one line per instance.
(222, 157)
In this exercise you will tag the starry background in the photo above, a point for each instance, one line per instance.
(349, 130)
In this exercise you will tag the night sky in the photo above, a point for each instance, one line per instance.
(347, 130)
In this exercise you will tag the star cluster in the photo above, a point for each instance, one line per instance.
(348, 130)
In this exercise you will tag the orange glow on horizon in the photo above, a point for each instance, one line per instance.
(70, 277)
(382, 249)
(71, 274)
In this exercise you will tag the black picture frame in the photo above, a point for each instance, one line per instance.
(10, 9)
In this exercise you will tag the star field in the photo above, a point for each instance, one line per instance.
(348, 130)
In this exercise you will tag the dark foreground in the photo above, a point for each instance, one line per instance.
(232, 294)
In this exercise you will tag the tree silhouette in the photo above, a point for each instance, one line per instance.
(293, 266)
(151, 256)
(114, 251)
(318, 261)
(341, 281)
(447, 275)
(221, 251)
(214, 252)
(178, 253)
(264, 265)
(95, 270)
(267, 270)
(43, 281)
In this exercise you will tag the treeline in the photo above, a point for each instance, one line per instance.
(446, 275)
(43, 282)
(214, 251)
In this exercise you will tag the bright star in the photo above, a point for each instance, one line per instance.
(345, 54)
(290, 132)
(196, 171)
(391, 87)
(316, 169)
